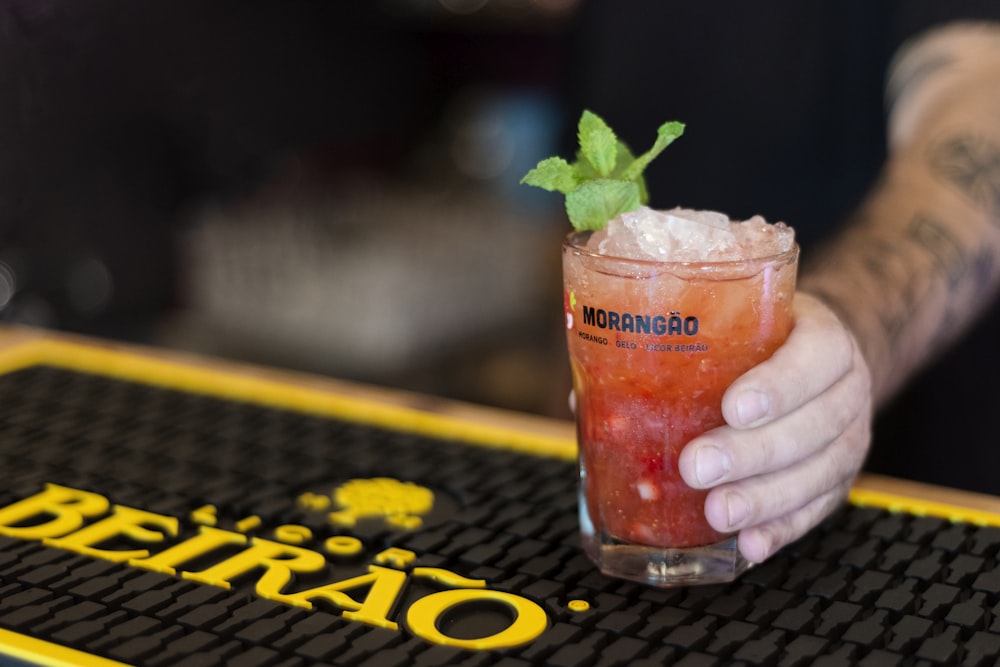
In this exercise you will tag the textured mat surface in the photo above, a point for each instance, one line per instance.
(153, 526)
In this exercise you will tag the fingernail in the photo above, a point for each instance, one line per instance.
(758, 545)
(751, 406)
(710, 464)
(738, 509)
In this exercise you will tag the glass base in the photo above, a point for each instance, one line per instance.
(659, 566)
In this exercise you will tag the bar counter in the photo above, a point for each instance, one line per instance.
(160, 508)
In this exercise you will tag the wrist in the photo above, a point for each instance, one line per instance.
(864, 327)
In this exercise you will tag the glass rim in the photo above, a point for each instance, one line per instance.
(570, 242)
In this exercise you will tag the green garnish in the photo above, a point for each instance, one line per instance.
(606, 179)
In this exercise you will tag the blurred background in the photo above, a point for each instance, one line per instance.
(332, 185)
(324, 186)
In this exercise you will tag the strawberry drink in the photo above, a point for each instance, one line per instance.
(663, 312)
(664, 309)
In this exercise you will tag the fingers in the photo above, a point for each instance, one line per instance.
(797, 433)
(729, 454)
(786, 499)
(725, 454)
(796, 373)
(759, 542)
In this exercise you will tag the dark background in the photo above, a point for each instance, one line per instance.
(181, 173)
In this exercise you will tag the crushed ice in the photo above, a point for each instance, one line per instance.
(686, 235)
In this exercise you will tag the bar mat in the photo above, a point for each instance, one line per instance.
(152, 525)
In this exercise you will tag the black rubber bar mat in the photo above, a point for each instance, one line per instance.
(153, 513)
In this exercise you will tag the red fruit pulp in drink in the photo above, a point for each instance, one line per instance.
(653, 349)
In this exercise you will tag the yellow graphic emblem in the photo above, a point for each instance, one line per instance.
(400, 504)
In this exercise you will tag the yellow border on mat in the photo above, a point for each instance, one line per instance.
(225, 384)
(31, 650)
(893, 502)
(232, 385)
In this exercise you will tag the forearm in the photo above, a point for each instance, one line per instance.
(922, 257)
(917, 265)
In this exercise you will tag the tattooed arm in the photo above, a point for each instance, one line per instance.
(922, 257)
(911, 271)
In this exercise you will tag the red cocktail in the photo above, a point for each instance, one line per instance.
(653, 346)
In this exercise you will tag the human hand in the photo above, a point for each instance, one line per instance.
(798, 428)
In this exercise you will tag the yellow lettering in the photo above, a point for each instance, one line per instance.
(123, 522)
(395, 557)
(529, 621)
(68, 508)
(278, 560)
(206, 515)
(448, 578)
(384, 584)
(207, 540)
(248, 524)
(314, 502)
(57, 516)
(343, 545)
(292, 534)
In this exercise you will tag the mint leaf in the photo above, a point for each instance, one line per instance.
(585, 171)
(625, 160)
(598, 143)
(606, 179)
(591, 205)
(665, 136)
(553, 174)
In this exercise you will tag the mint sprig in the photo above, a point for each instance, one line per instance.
(606, 179)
